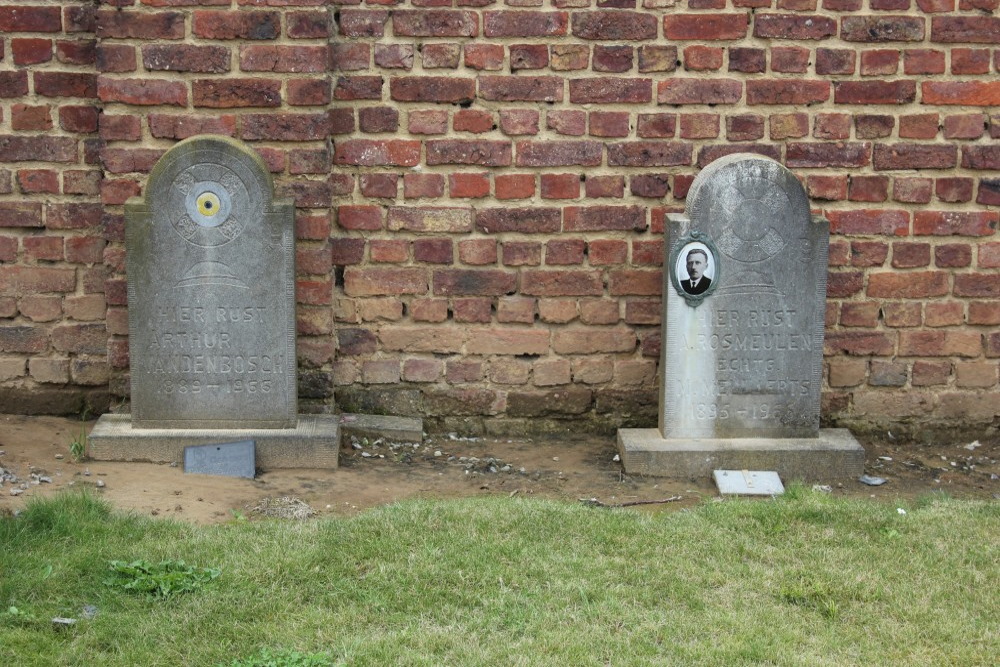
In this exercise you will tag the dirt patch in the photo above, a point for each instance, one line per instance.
(36, 451)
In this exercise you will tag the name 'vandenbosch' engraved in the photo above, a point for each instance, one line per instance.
(218, 364)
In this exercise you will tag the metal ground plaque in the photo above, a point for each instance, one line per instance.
(742, 335)
(211, 282)
(229, 459)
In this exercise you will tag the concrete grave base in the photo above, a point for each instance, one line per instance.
(313, 443)
(834, 455)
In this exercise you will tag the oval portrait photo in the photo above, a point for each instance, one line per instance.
(695, 268)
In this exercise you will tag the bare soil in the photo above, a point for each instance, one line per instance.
(36, 449)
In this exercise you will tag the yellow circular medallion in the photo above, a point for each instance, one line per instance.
(208, 204)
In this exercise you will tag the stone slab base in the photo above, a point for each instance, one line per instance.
(314, 443)
(834, 455)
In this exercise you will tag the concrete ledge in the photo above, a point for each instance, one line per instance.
(314, 442)
(834, 455)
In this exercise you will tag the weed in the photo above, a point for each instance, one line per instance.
(282, 658)
(17, 616)
(161, 580)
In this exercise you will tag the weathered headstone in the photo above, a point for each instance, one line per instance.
(211, 292)
(742, 335)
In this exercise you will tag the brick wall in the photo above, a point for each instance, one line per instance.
(481, 187)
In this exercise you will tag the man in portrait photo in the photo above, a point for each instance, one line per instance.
(697, 282)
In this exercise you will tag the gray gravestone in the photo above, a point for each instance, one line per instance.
(211, 281)
(742, 335)
(211, 292)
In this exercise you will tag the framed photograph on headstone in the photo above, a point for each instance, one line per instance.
(694, 268)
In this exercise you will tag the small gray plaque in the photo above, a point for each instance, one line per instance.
(748, 482)
(231, 459)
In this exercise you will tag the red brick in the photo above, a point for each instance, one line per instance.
(524, 24)
(226, 93)
(702, 58)
(458, 151)
(965, 29)
(984, 312)
(440, 219)
(517, 122)
(440, 56)
(484, 56)
(76, 52)
(944, 314)
(385, 251)
(832, 126)
(599, 311)
(699, 91)
(923, 61)
(907, 255)
(879, 62)
(30, 118)
(940, 344)
(872, 126)
(183, 126)
(560, 186)
(30, 19)
(635, 282)
(528, 56)
(794, 26)
(379, 185)
(608, 90)
(788, 126)
(514, 186)
(981, 157)
(953, 255)
(965, 126)
(699, 126)
(21, 280)
(116, 58)
(433, 251)
(558, 153)
(305, 24)
(816, 154)
(954, 190)
(342, 58)
(604, 218)
(594, 340)
(882, 29)
(981, 286)
(970, 61)
(521, 253)
(859, 314)
(885, 222)
(705, 27)
(835, 61)
(417, 186)
(31, 51)
(135, 25)
(145, 92)
(452, 90)
(614, 25)
(869, 253)
(428, 122)
(472, 186)
(989, 255)
(945, 223)
(962, 93)
(360, 217)
(605, 186)
(388, 282)
(658, 58)
(513, 341)
(930, 373)
(790, 59)
(242, 24)
(378, 119)
(371, 153)
(13, 84)
(843, 284)
(747, 60)
(562, 283)
(858, 343)
(656, 125)
(362, 23)
(912, 190)
(477, 252)
(918, 126)
(649, 154)
(394, 56)
(564, 252)
(875, 92)
(902, 315)
(914, 156)
(344, 251)
(569, 57)
(475, 121)
(435, 23)
(185, 58)
(654, 186)
(23, 339)
(831, 188)
(65, 84)
(910, 285)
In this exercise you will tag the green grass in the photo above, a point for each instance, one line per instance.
(802, 580)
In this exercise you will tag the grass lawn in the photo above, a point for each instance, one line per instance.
(805, 579)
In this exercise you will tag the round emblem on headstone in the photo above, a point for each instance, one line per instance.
(209, 190)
